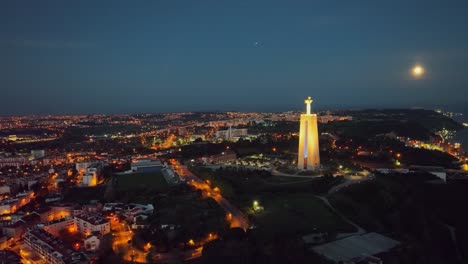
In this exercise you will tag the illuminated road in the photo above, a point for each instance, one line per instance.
(121, 237)
(235, 216)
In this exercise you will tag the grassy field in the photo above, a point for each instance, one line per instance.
(282, 179)
(151, 180)
(297, 213)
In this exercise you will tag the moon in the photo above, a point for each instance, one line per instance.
(417, 71)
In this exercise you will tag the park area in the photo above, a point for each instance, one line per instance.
(151, 180)
(296, 213)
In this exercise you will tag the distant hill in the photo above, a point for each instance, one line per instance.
(417, 124)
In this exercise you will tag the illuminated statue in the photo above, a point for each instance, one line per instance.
(308, 154)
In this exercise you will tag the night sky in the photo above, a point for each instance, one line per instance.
(196, 55)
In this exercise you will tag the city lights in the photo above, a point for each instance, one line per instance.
(184, 133)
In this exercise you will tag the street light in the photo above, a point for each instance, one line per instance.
(255, 204)
(191, 242)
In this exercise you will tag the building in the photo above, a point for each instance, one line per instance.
(53, 197)
(91, 172)
(9, 206)
(83, 223)
(92, 242)
(15, 230)
(82, 166)
(18, 228)
(222, 157)
(89, 180)
(231, 133)
(92, 207)
(9, 257)
(16, 161)
(5, 189)
(37, 154)
(89, 223)
(352, 249)
(134, 210)
(170, 176)
(308, 153)
(51, 249)
(3, 244)
(54, 227)
(146, 165)
(45, 214)
(59, 211)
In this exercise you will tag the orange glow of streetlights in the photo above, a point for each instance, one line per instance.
(191, 242)
(147, 246)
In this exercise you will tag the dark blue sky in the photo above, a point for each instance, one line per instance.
(149, 56)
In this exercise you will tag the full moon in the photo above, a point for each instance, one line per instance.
(417, 71)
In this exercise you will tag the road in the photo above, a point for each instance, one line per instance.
(278, 173)
(359, 231)
(234, 215)
(349, 182)
(122, 234)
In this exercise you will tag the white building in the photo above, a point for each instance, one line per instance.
(54, 227)
(231, 133)
(92, 242)
(51, 249)
(82, 166)
(89, 223)
(89, 179)
(90, 171)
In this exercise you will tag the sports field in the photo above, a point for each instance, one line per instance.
(150, 180)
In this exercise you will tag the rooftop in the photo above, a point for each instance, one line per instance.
(59, 220)
(50, 242)
(93, 219)
(355, 246)
(147, 162)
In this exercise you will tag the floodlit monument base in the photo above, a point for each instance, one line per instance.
(308, 153)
